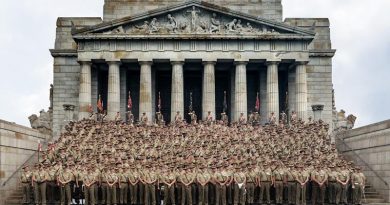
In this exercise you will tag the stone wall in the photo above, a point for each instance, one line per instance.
(319, 68)
(17, 144)
(369, 146)
(269, 9)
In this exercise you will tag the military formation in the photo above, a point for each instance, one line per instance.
(203, 162)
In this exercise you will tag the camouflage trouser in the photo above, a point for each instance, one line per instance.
(66, 194)
(250, 192)
(26, 192)
(264, 189)
(89, 195)
(123, 193)
(169, 194)
(203, 194)
(279, 192)
(239, 195)
(300, 196)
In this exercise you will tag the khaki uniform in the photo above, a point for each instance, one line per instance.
(40, 177)
(169, 191)
(300, 196)
(250, 186)
(186, 191)
(203, 190)
(265, 177)
(358, 187)
(52, 185)
(89, 178)
(134, 180)
(65, 176)
(220, 190)
(239, 188)
(25, 178)
(110, 179)
(291, 186)
(150, 189)
(343, 176)
(278, 176)
(334, 188)
(123, 188)
(317, 190)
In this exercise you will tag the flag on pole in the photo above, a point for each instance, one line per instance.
(257, 107)
(159, 102)
(129, 102)
(100, 104)
(224, 102)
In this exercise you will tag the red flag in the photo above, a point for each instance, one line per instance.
(129, 102)
(159, 102)
(257, 103)
(100, 104)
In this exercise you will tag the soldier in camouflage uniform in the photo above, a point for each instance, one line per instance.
(358, 183)
(239, 186)
(65, 177)
(25, 179)
(264, 180)
(39, 179)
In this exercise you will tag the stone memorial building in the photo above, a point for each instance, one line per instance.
(192, 51)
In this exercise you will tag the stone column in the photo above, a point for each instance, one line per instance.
(113, 97)
(177, 96)
(208, 95)
(301, 91)
(240, 94)
(85, 90)
(145, 99)
(272, 90)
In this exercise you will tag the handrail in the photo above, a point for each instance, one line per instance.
(364, 162)
(21, 166)
(18, 169)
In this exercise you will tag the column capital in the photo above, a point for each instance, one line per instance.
(209, 62)
(241, 62)
(111, 62)
(145, 63)
(268, 63)
(177, 62)
(301, 63)
(85, 62)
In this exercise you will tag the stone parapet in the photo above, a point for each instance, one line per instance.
(369, 147)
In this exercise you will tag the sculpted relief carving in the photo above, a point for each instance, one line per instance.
(193, 21)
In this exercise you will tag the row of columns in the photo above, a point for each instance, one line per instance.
(177, 97)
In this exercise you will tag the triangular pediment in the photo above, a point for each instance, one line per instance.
(193, 19)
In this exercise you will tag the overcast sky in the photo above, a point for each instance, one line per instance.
(360, 32)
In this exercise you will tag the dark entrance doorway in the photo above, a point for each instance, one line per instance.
(133, 85)
(253, 86)
(283, 88)
(102, 87)
(222, 84)
(193, 84)
(164, 85)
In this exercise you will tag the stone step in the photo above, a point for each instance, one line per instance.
(372, 200)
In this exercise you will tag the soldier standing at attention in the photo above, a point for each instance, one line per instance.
(186, 178)
(133, 177)
(203, 178)
(272, 119)
(209, 118)
(358, 183)
(319, 177)
(178, 118)
(239, 186)
(343, 179)
(104, 184)
(25, 178)
(52, 183)
(112, 180)
(291, 186)
(302, 178)
(333, 185)
(250, 184)
(242, 119)
(224, 118)
(39, 179)
(144, 119)
(64, 178)
(169, 179)
(278, 176)
(89, 181)
(149, 178)
(123, 186)
(264, 181)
